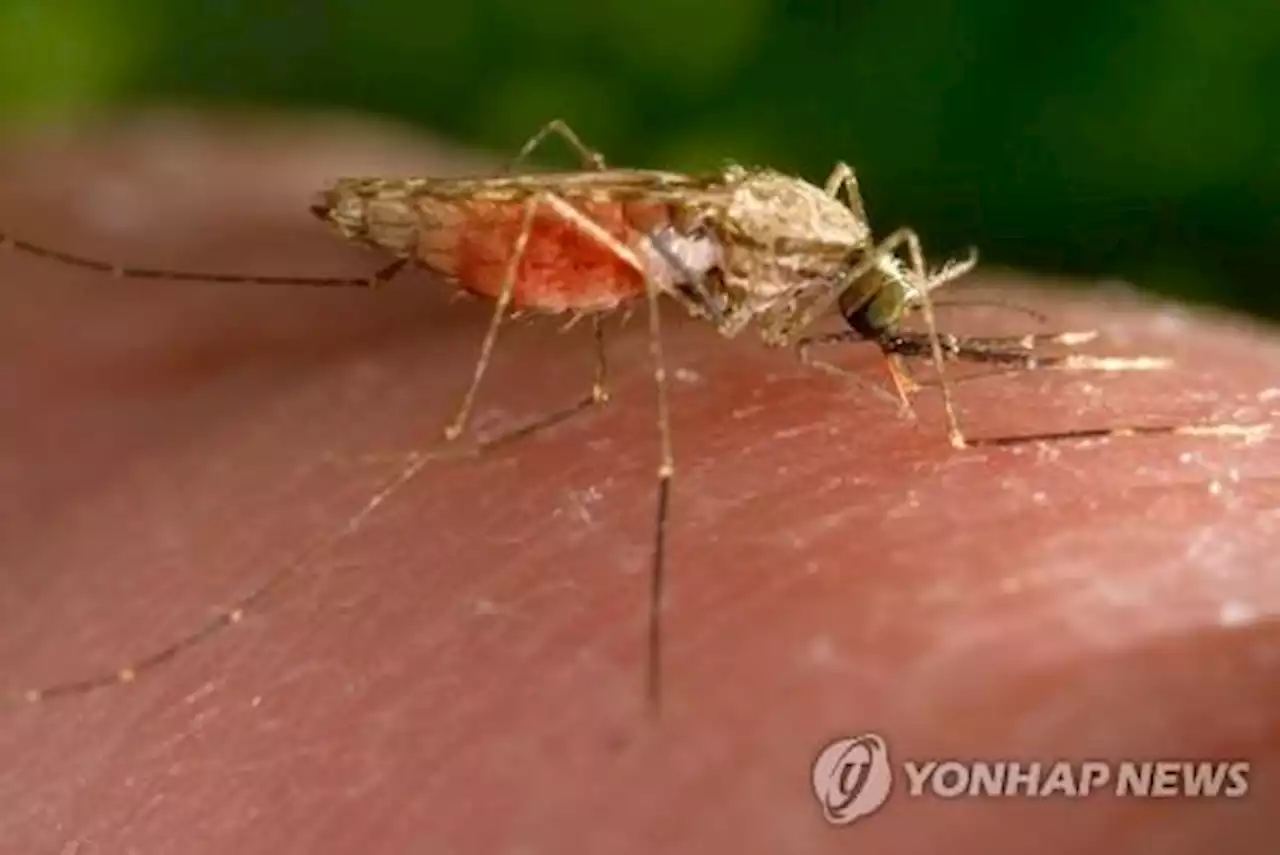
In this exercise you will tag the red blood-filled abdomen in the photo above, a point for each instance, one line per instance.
(562, 268)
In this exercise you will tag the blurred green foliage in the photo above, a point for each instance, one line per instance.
(1134, 140)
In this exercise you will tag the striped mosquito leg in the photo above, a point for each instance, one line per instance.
(126, 271)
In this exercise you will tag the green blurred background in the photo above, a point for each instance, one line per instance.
(1107, 139)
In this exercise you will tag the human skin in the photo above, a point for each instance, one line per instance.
(462, 669)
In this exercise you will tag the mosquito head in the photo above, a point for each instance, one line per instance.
(875, 306)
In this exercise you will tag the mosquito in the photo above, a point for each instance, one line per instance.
(739, 249)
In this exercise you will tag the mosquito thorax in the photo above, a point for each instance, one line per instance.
(782, 241)
(772, 209)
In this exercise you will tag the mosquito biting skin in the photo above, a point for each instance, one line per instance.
(741, 249)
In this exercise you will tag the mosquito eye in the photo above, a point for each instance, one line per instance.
(879, 315)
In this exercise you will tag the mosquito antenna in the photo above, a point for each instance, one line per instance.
(121, 271)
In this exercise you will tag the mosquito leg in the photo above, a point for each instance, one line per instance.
(455, 427)
(590, 159)
(844, 178)
(599, 393)
(229, 616)
(235, 613)
(666, 474)
(926, 302)
(385, 274)
(903, 383)
(666, 466)
(598, 396)
(806, 358)
(600, 381)
(127, 271)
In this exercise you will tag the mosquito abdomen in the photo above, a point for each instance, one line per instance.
(562, 267)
